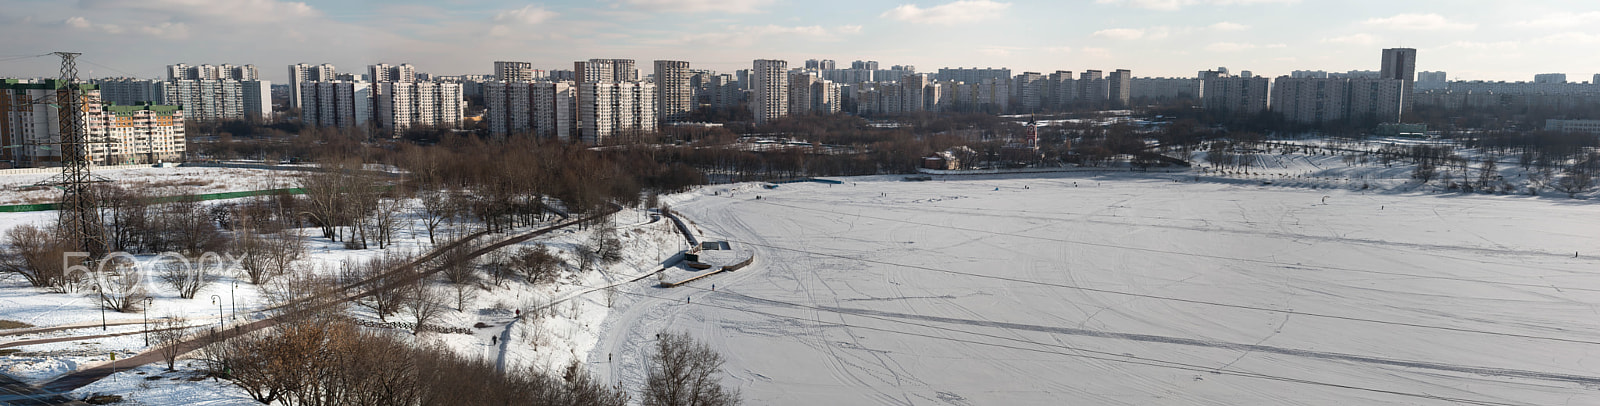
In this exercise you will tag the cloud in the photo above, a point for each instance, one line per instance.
(1354, 39)
(1418, 22)
(85, 25)
(959, 12)
(1094, 52)
(1174, 5)
(1571, 37)
(1482, 46)
(701, 6)
(232, 11)
(529, 15)
(1228, 26)
(169, 30)
(1562, 20)
(1229, 47)
(1129, 34)
(1120, 33)
(738, 36)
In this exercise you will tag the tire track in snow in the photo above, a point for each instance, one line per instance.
(1516, 373)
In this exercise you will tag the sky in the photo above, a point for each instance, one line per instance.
(1471, 40)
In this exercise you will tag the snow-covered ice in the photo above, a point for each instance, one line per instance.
(1133, 289)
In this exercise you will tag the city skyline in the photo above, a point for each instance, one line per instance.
(1153, 38)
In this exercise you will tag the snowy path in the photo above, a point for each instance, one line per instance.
(1129, 290)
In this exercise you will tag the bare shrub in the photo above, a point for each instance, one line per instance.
(537, 264)
(682, 373)
(39, 256)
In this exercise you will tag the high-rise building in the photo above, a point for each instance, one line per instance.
(1596, 80)
(402, 105)
(1432, 81)
(1119, 87)
(1401, 63)
(800, 92)
(246, 72)
(129, 91)
(594, 71)
(913, 92)
(118, 134)
(867, 65)
(301, 73)
(336, 103)
(392, 73)
(1092, 87)
(1383, 100)
(206, 100)
(513, 71)
(181, 72)
(1239, 96)
(726, 93)
(553, 110)
(1308, 74)
(826, 97)
(674, 95)
(1030, 90)
(1311, 100)
(769, 87)
(1550, 78)
(1156, 89)
(972, 75)
(1061, 90)
(607, 110)
(813, 64)
(541, 108)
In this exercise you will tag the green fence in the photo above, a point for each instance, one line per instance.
(167, 199)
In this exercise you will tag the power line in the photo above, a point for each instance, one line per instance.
(1123, 358)
(111, 68)
(21, 57)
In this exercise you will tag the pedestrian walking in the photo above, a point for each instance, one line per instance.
(494, 340)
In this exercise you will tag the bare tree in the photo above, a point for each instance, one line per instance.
(465, 293)
(682, 373)
(425, 302)
(185, 277)
(120, 285)
(165, 337)
(437, 205)
(1425, 171)
(385, 298)
(1488, 174)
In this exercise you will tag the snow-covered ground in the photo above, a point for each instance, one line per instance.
(1134, 289)
(561, 320)
(19, 189)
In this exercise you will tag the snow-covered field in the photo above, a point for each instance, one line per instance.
(19, 189)
(1134, 289)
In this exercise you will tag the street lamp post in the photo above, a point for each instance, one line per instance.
(147, 302)
(232, 301)
(215, 299)
(102, 306)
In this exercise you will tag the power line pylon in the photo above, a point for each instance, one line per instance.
(80, 220)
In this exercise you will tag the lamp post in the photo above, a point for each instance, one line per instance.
(102, 306)
(147, 302)
(232, 301)
(217, 300)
